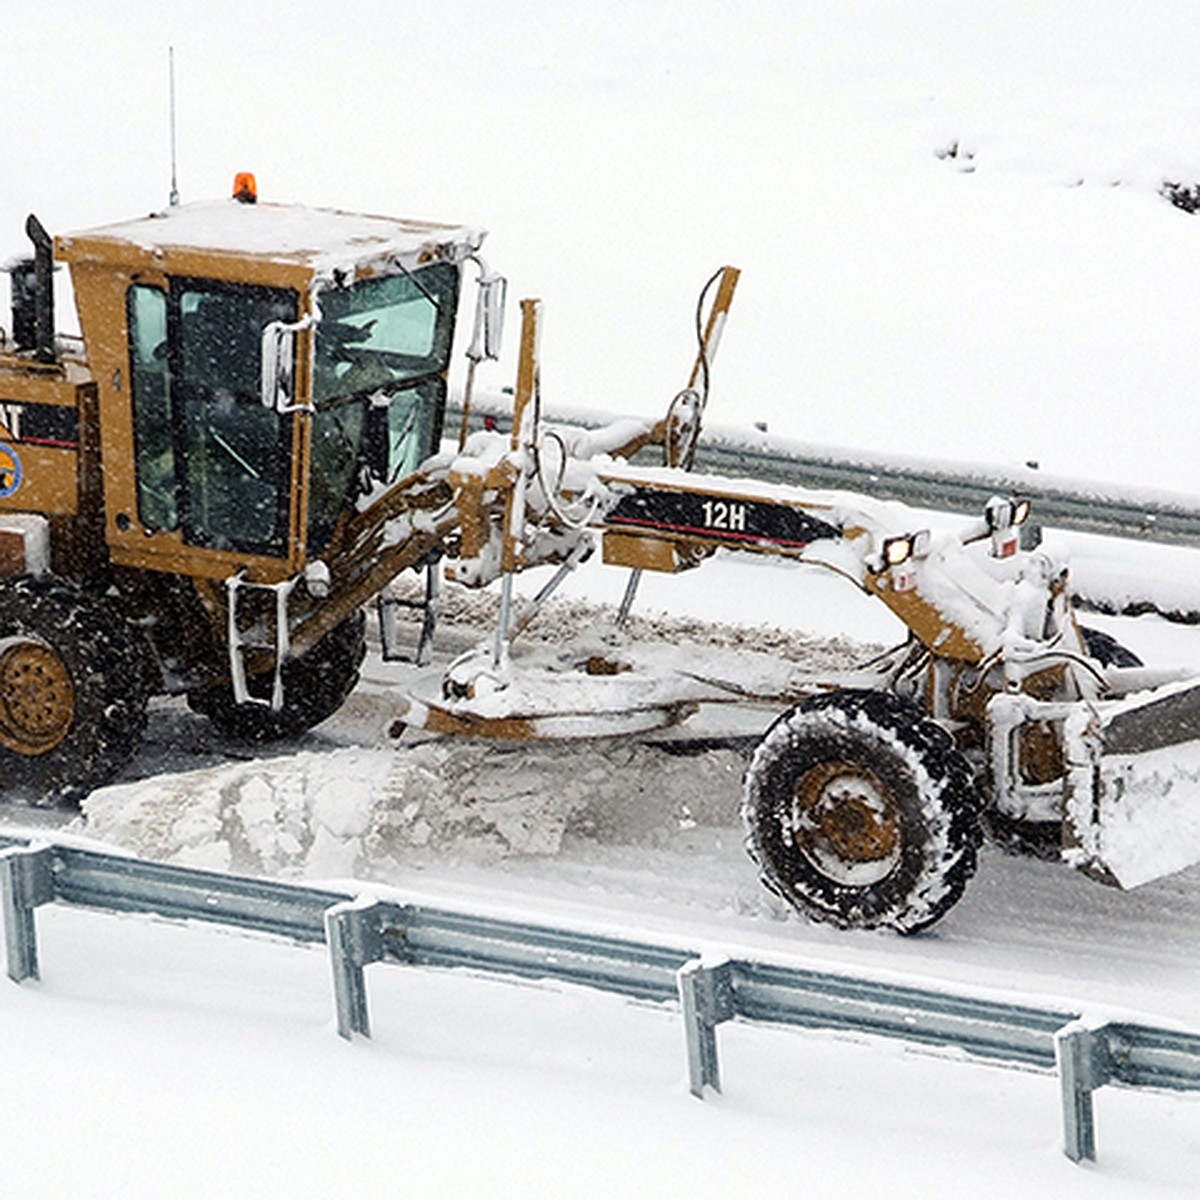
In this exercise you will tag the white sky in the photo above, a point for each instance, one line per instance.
(1036, 308)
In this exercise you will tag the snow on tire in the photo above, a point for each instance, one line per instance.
(861, 812)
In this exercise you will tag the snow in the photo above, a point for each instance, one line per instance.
(1024, 298)
(470, 1086)
(326, 240)
(1148, 823)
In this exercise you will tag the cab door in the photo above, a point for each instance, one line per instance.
(213, 466)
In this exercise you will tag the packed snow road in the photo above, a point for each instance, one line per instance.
(617, 835)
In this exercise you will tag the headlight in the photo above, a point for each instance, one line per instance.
(897, 550)
(1003, 512)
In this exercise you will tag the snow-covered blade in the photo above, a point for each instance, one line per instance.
(604, 685)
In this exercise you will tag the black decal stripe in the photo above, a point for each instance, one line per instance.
(55, 425)
(50, 425)
(720, 518)
(716, 535)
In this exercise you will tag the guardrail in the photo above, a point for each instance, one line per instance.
(1058, 502)
(359, 932)
(1113, 510)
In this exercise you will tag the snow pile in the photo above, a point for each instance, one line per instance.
(669, 620)
(371, 813)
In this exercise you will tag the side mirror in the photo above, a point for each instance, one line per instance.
(278, 365)
(278, 387)
(489, 318)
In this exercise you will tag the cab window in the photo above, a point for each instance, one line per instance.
(211, 460)
(150, 388)
(381, 352)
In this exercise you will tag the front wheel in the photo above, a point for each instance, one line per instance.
(861, 812)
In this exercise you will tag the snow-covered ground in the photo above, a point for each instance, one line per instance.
(953, 243)
(526, 1083)
(156, 1061)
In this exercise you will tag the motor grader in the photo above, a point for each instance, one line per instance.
(247, 448)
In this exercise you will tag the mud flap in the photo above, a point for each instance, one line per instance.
(1133, 786)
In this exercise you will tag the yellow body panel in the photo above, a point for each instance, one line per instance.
(41, 413)
(639, 552)
(926, 622)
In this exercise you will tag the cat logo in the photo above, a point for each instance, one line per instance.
(10, 471)
(10, 418)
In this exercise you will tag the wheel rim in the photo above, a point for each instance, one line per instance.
(845, 821)
(37, 698)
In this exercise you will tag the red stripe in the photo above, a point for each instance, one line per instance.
(34, 441)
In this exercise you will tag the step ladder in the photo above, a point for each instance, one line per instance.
(388, 604)
(242, 640)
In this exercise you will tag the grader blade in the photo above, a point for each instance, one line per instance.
(589, 688)
(528, 723)
(1134, 810)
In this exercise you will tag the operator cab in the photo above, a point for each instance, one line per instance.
(262, 370)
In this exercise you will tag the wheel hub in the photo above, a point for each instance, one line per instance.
(845, 822)
(37, 697)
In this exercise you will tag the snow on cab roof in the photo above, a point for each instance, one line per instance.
(317, 239)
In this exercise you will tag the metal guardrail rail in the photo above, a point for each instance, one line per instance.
(1113, 511)
(947, 490)
(1064, 504)
(361, 931)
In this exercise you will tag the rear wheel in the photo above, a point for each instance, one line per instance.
(314, 687)
(73, 691)
(861, 812)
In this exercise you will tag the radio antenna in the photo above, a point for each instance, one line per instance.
(174, 197)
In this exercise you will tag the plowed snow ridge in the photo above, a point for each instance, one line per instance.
(617, 836)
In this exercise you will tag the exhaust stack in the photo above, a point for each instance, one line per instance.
(33, 295)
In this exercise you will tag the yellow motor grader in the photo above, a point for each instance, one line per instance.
(247, 448)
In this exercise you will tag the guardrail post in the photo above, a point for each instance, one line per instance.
(354, 935)
(26, 880)
(1084, 1060)
(706, 997)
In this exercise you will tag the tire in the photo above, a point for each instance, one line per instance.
(1106, 650)
(314, 687)
(73, 688)
(861, 812)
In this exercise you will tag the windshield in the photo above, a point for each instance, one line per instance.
(381, 354)
(383, 331)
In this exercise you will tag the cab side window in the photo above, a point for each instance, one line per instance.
(150, 388)
(236, 452)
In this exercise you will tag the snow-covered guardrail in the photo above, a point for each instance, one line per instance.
(360, 931)
(1059, 502)
(1145, 514)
